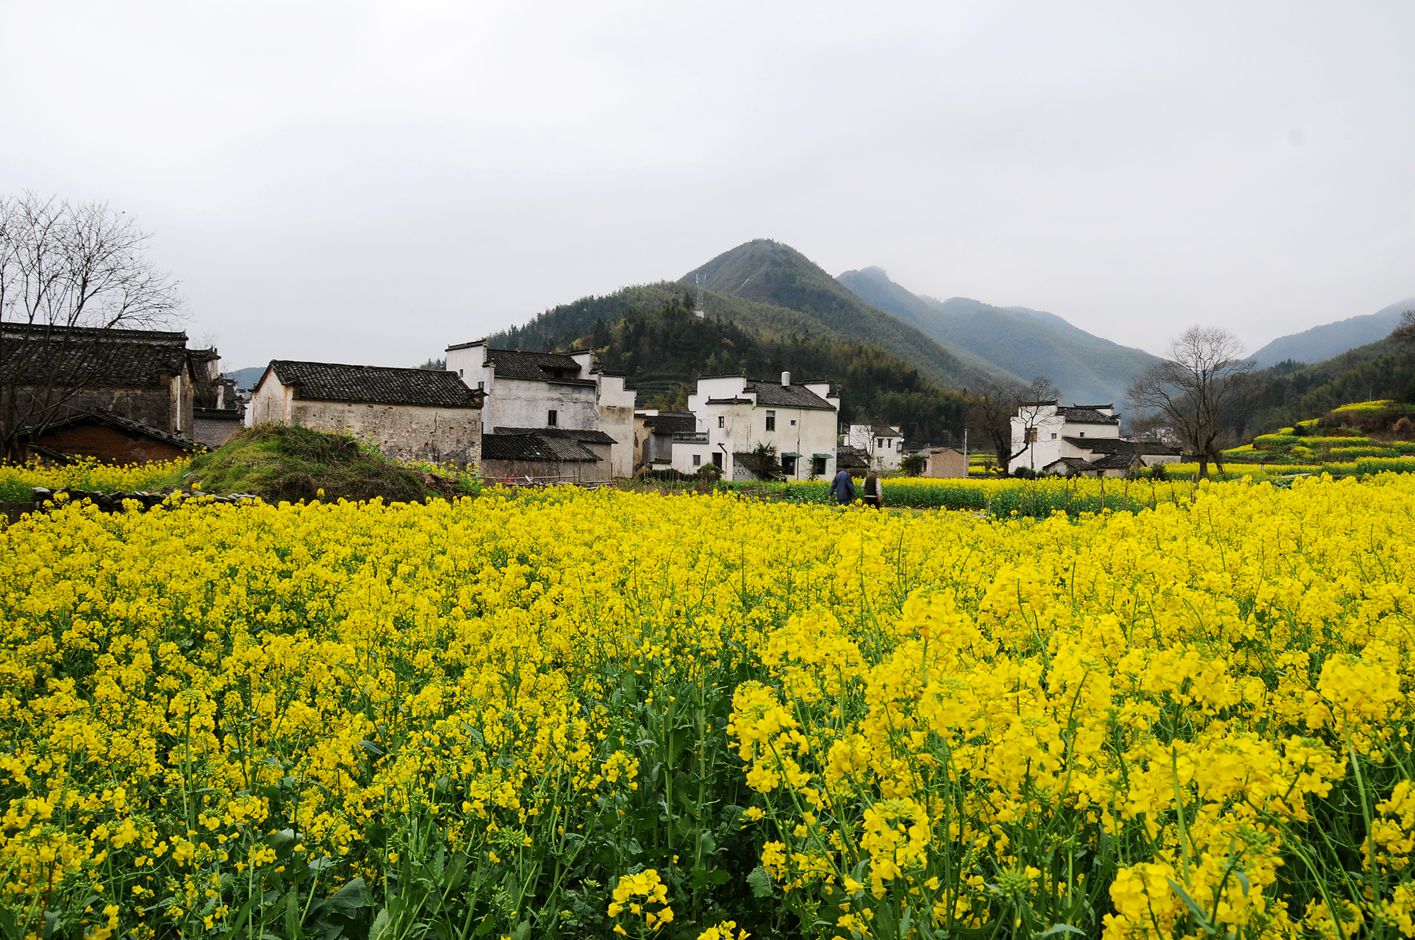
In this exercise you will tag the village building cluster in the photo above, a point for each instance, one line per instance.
(540, 417)
(1068, 440)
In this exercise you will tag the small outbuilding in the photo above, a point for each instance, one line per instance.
(407, 413)
(945, 463)
(107, 437)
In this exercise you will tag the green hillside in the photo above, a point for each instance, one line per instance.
(1364, 437)
(651, 334)
(1023, 343)
(1291, 392)
(776, 274)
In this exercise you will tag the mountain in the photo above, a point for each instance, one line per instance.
(772, 273)
(1332, 339)
(652, 334)
(245, 379)
(1019, 342)
(1291, 391)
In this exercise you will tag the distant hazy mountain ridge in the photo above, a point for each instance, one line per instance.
(1019, 342)
(1332, 339)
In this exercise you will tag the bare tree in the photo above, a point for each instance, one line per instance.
(1204, 373)
(992, 408)
(72, 277)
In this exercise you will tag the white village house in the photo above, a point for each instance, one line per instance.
(883, 443)
(574, 421)
(657, 432)
(737, 417)
(1078, 439)
(407, 413)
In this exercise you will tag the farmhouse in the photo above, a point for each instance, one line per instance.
(116, 393)
(535, 391)
(406, 413)
(1078, 439)
(883, 443)
(217, 408)
(666, 439)
(744, 419)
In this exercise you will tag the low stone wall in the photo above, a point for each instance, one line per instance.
(43, 501)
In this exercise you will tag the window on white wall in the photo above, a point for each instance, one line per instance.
(697, 460)
(721, 421)
(770, 420)
(552, 418)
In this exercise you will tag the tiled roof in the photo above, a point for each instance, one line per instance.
(90, 358)
(536, 366)
(672, 422)
(375, 385)
(884, 430)
(1075, 463)
(1101, 445)
(775, 395)
(1086, 414)
(585, 436)
(533, 447)
(1116, 445)
(121, 423)
(851, 458)
(1119, 461)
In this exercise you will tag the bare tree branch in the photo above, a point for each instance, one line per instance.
(1204, 373)
(70, 276)
(992, 408)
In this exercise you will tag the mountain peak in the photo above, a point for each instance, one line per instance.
(873, 272)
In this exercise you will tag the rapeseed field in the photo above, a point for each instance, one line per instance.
(589, 714)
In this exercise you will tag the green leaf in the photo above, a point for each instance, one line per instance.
(292, 914)
(760, 883)
(349, 901)
(1055, 929)
(380, 925)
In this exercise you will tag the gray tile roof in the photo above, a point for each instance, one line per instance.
(1117, 461)
(1115, 445)
(533, 446)
(585, 436)
(852, 458)
(375, 385)
(1086, 414)
(775, 395)
(672, 422)
(1101, 445)
(67, 358)
(1075, 463)
(536, 366)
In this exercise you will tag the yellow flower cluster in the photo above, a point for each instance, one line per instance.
(561, 709)
(91, 475)
(641, 895)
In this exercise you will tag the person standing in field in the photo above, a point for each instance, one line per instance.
(873, 491)
(842, 488)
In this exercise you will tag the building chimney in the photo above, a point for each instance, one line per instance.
(785, 379)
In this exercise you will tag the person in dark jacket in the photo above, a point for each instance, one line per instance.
(842, 488)
(874, 492)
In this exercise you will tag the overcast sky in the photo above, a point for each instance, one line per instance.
(369, 182)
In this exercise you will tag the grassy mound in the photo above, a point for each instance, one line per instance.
(278, 462)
